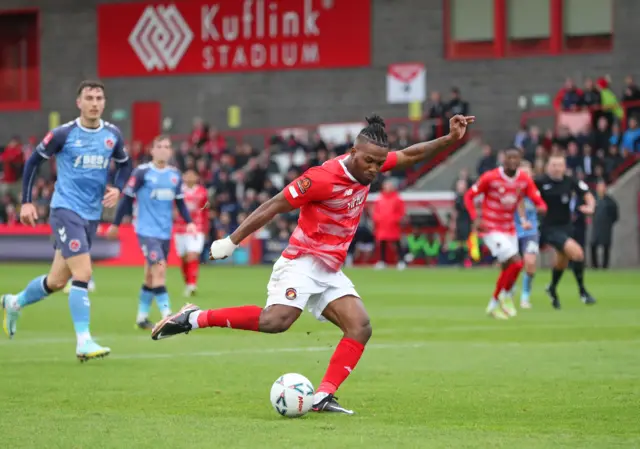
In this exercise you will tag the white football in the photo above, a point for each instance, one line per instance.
(292, 395)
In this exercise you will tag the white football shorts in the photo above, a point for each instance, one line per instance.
(502, 246)
(189, 243)
(307, 283)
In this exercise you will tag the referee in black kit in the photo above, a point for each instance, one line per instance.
(557, 189)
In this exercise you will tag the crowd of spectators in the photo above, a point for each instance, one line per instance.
(595, 131)
(238, 176)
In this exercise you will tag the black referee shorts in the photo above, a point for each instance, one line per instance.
(555, 236)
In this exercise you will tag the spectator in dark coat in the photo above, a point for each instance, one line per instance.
(438, 112)
(604, 218)
(462, 222)
(488, 160)
(631, 93)
(457, 105)
(590, 94)
(612, 160)
(601, 136)
(574, 160)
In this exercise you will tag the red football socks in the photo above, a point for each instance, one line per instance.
(245, 317)
(184, 267)
(192, 269)
(511, 274)
(342, 363)
(500, 284)
(507, 278)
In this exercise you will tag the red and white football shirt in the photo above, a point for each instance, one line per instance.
(331, 202)
(195, 198)
(501, 197)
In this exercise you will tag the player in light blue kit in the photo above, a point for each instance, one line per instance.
(156, 186)
(83, 150)
(526, 219)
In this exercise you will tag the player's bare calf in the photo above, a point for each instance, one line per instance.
(278, 318)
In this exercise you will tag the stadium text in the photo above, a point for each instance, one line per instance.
(230, 35)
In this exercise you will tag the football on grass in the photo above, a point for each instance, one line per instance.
(292, 395)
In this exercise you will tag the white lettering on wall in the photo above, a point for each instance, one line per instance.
(224, 34)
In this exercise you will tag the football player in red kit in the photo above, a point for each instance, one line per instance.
(331, 199)
(189, 246)
(503, 189)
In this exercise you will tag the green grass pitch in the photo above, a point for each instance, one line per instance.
(437, 373)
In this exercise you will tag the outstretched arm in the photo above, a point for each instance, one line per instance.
(426, 150)
(312, 186)
(260, 217)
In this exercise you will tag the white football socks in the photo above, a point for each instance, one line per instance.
(193, 319)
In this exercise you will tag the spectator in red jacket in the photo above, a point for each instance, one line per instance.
(388, 214)
(11, 161)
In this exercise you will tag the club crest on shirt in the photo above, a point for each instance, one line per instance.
(291, 294)
(74, 245)
(174, 179)
(304, 184)
(109, 143)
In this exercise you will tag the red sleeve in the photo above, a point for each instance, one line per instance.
(204, 197)
(314, 185)
(391, 162)
(534, 195)
(479, 187)
(468, 203)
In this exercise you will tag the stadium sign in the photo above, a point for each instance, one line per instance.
(145, 39)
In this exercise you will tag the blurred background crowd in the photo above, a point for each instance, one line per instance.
(240, 176)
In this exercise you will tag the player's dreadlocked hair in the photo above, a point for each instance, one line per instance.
(375, 132)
